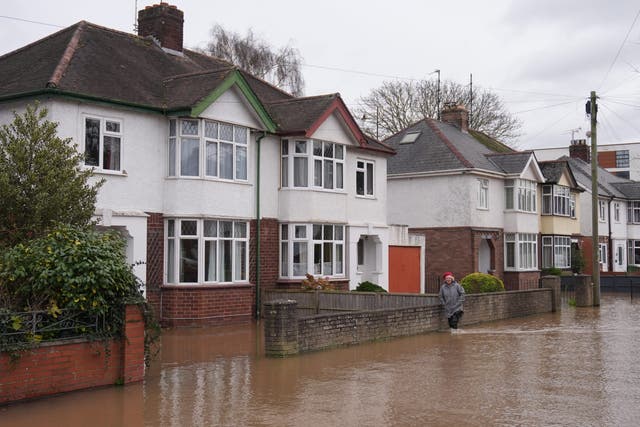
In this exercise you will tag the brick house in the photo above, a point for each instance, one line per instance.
(474, 199)
(225, 184)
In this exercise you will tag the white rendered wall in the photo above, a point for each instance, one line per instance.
(381, 276)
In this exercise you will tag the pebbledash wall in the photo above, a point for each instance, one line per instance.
(54, 368)
(287, 333)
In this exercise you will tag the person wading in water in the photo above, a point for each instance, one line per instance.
(452, 297)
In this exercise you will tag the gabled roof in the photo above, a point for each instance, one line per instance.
(441, 147)
(512, 163)
(97, 63)
(607, 182)
(553, 170)
(303, 116)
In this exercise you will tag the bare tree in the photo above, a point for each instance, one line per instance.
(398, 104)
(280, 67)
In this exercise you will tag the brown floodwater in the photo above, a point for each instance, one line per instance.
(579, 367)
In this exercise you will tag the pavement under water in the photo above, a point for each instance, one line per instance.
(577, 367)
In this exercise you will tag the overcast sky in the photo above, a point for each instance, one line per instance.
(543, 57)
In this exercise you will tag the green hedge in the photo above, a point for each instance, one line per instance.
(475, 283)
(369, 287)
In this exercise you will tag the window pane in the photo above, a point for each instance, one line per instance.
(360, 183)
(328, 232)
(226, 132)
(212, 159)
(189, 156)
(339, 175)
(508, 191)
(111, 126)
(240, 134)
(171, 228)
(188, 228)
(241, 162)
(211, 129)
(225, 260)
(285, 147)
(189, 127)
(317, 173)
(317, 148)
(317, 258)
(327, 258)
(339, 151)
(284, 259)
(285, 172)
(301, 147)
(317, 232)
(172, 157)
(284, 232)
(300, 173)
(370, 178)
(339, 232)
(210, 228)
(240, 229)
(111, 153)
(328, 174)
(210, 258)
(328, 150)
(172, 128)
(339, 259)
(226, 161)
(299, 258)
(300, 231)
(240, 261)
(92, 142)
(188, 260)
(226, 228)
(171, 261)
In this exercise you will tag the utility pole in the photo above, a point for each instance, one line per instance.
(592, 109)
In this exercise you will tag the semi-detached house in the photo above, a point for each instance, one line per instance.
(221, 181)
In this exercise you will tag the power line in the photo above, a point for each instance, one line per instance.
(548, 127)
(621, 118)
(544, 107)
(620, 49)
(31, 22)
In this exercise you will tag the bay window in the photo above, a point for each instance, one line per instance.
(311, 163)
(633, 212)
(557, 200)
(633, 256)
(556, 251)
(103, 143)
(521, 251)
(521, 194)
(317, 249)
(206, 251)
(202, 148)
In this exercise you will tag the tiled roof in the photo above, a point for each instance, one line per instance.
(607, 182)
(441, 147)
(552, 170)
(298, 114)
(511, 163)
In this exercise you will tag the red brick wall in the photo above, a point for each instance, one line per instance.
(607, 159)
(197, 305)
(56, 368)
(269, 253)
(521, 280)
(155, 259)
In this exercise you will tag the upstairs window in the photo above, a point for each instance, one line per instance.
(483, 193)
(557, 200)
(364, 177)
(311, 163)
(209, 149)
(633, 212)
(521, 194)
(103, 143)
(602, 210)
(616, 212)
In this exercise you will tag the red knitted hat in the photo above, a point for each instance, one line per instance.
(447, 273)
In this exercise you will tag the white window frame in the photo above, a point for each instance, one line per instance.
(366, 170)
(616, 212)
(547, 251)
(562, 252)
(239, 251)
(105, 133)
(521, 195)
(483, 194)
(602, 254)
(557, 200)
(633, 212)
(315, 241)
(633, 254)
(209, 134)
(322, 160)
(602, 211)
(522, 249)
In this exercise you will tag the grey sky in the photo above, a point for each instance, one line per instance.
(534, 53)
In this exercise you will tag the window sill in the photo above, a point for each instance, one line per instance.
(517, 211)
(206, 285)
(359, 196)
(301, 278)
(206, 179)
(316, 189)
(99, 171)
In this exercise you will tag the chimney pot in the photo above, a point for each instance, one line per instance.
(456, 115)
(580, 150)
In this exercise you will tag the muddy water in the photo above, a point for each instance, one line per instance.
(580, 367)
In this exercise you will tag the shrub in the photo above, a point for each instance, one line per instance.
(480, 283)
(369, 287)
(552, 272)
(69, 268)
(321, 283)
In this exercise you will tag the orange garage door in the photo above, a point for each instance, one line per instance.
(404, 269)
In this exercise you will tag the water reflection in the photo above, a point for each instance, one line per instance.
(577, 367)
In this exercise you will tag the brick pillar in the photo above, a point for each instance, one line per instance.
(133, 345)
(584, 290)
(280, 328)
(553, 283)
(155, 260)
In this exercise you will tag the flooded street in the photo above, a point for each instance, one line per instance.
(580, 367)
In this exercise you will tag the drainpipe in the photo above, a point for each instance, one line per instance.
(610, 242)
(258, 139)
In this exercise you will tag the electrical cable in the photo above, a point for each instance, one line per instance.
(620, 49)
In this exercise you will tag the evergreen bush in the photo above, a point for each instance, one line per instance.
(369, 287)
(480, 283)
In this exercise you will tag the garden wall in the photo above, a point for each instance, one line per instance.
(54, 368)
(287, 332)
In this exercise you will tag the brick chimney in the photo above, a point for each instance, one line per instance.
(165, 23)
(580, 150)
(456, 115)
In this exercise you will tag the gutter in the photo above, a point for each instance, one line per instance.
(258, 302)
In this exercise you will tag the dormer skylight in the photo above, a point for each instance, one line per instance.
(410, 137)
